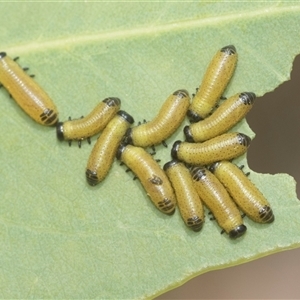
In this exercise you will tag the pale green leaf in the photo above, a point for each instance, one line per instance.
(59, 237)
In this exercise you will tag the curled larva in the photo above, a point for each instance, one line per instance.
(245, 194)
(216, 198)
(90, 125)
(214, 82)
(104, 151)
(223, 147)
(151, 176)
(188, 200)
(26, 92)
(229, 113)
(169, 118)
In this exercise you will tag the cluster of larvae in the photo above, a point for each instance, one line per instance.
(200, 172)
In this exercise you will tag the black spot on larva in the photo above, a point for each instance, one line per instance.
(156, 180)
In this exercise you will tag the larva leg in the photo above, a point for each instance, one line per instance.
(165, 144)
(241, 168)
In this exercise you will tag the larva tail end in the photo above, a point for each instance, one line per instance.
(197, 227)
(197, 172)
(188, 135)
(266, 214)
(171, 212)
(166, 206)
(2, 54)
(247, 97)
(112, 101)
(193, 116)
(244, 139)
(271, 219)
(195, 223)
(183, 93)
(212, 168)
(60, 131)
(230, 49)
(238, 231)
(126, 116)
(175, 149)
(91, 177)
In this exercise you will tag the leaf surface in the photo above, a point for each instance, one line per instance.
(60, 238)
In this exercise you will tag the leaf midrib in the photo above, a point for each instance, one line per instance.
(114, 35)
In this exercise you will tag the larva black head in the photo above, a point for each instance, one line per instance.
(230, 49)
(238, 231)
(112, 101)
(126, 116)
(175, 149)
(120, 150)
(2, 54)
(91, 177)
(188, 135)
(170, 164)
(244, 139)
(60, 131)
(212, 168)
(193, 116)
(182, 93)
(266, 214)
(247, 98)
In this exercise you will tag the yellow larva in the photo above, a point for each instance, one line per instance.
(104, 151)
(216, 198)
(223, 147)
(152, 177)
(26, 92)
(246, 195)
(215, 80)
(188, 200)
(230, 112)
(169, 118)
(90, 125)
